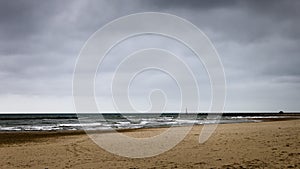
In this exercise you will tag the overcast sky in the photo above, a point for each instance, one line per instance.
(258, 43)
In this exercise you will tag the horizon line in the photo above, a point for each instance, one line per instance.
(149, 112)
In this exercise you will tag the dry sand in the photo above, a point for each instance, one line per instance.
(246, 145)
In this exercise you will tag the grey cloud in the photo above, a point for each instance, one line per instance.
(258, 42)
(191, 4)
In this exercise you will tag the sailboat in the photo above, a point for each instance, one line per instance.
(186, 112)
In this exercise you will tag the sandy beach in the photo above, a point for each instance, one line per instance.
(245, 145)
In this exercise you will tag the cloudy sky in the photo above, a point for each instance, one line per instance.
(258, 43)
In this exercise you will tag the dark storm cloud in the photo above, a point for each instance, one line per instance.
(258, 42)
(24, 34)
(32, 62)
(245, 20)
(260, 37)
(190, 4)
(41, 40)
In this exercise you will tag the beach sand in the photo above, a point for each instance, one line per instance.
(245, 145)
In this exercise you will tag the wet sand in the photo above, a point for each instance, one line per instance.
(273, 144)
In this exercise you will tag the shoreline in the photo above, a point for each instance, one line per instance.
(272, 144)
(14, 137)
(259, 120)
(61, 122)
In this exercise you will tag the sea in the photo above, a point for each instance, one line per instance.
(116, 121)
